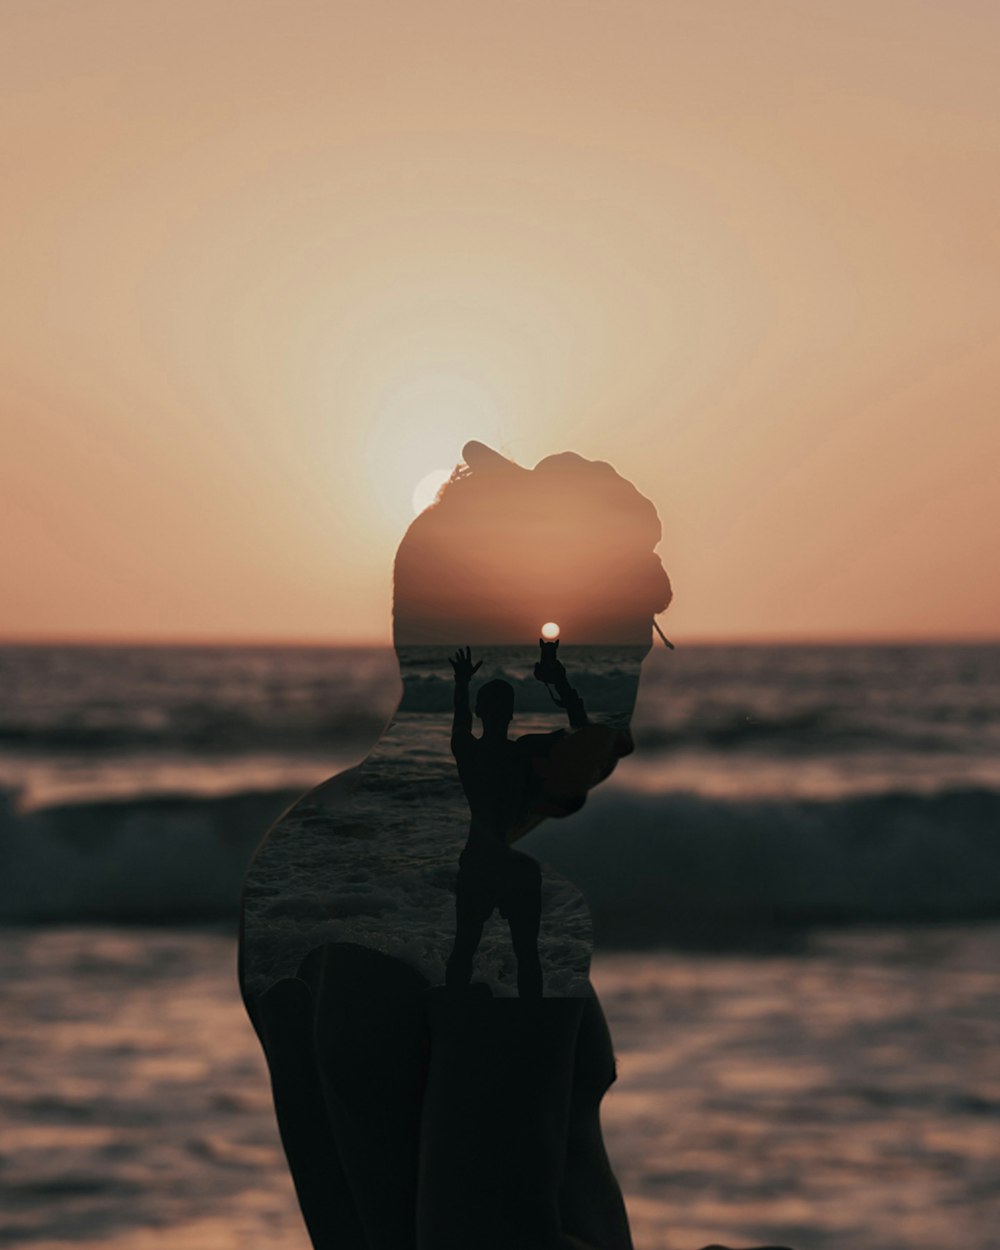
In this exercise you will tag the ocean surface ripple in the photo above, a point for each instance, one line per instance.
(844, 1095)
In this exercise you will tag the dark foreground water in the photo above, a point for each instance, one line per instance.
(844, 1096)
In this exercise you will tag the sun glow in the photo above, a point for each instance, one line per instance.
(425, 491)
(415, 424)
(550, 631)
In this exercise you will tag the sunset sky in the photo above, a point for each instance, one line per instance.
(268, 265)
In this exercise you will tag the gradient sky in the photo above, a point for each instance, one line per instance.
(266, 265)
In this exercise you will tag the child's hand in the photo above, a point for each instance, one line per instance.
(463, 665)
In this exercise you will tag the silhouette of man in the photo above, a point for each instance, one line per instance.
(502, 784)
(414, 1118)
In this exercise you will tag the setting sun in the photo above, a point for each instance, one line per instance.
(426, 490)
(550, 631)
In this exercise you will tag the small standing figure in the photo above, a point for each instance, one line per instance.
(500, 778)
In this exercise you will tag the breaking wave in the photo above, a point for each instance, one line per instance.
(654, 867)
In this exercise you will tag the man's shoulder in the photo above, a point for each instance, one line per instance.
(463, 741)
(539, 744)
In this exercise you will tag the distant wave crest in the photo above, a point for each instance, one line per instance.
(202, 727)
(196, 727)
(658, 866)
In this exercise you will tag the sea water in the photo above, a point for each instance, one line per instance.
(779, 1080)
(730, 722)
(842, 1097)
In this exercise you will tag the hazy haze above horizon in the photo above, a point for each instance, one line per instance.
(269, 266)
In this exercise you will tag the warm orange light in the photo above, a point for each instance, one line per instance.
(426, 490)
(550, 631)
(499, 268)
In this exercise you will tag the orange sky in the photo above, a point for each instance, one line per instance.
(266, 265)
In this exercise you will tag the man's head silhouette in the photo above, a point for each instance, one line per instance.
(506, 548)
(495, 704)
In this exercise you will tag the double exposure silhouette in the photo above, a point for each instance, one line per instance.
(421, 988)
(506, 783)
(491, 874)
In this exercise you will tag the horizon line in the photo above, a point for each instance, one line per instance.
(698, 640)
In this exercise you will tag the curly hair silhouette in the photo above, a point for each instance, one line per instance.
(504, 548)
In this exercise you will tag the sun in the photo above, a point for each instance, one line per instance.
(550, 631)
(426, 490)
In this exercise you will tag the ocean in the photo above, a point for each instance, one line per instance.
(795, 883)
